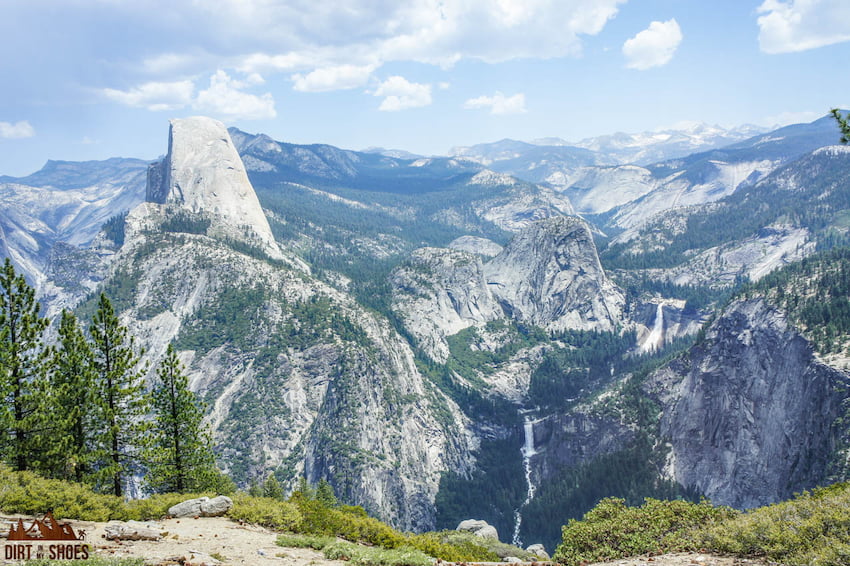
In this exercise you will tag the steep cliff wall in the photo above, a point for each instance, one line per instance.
(750, 414)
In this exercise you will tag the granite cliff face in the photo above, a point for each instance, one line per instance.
(750, 413)
(549, 275)
(439, 292)
(203, 173)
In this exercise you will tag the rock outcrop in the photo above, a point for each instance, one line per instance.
(750, 412)
(479, 528)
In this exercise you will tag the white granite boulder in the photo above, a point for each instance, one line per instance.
(202, 507)
(479, 528)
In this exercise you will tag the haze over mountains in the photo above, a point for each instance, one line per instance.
(403, 326)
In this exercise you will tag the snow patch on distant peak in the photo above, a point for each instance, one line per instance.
(832, 150)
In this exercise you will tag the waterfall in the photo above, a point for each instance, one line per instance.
(527, 452)
(655, 339)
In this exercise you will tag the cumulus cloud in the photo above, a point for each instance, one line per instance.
(798, 25)
(401, 94)
(339, 77)
(18, 130)
(225, 99)
(359, 32)
(654, 46)
(154, 96)
(498, 103)
(319, 41)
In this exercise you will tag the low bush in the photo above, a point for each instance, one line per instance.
(612, 530)
(812, 528)
(350, 523)
(450, 548)
(372, 556)
(292, 540)
(28, 493)
(272, 513)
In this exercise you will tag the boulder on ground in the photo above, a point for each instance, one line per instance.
(202, 507)
(479, 528)
(538, 550)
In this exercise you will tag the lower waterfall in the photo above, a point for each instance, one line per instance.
(527, 452)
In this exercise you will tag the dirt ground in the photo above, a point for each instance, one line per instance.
(197, 539)
(194, 541)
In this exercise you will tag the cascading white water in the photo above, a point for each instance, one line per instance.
(655, 339)
(527, 452)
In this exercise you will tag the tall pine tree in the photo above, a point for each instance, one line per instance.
(71, 370)
(22, 410)
(179, 455)
(120, 400)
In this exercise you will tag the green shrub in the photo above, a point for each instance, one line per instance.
(812, 528)
(30, 494)
(280, 515)
(371, 556)
(452, 546)
(292, 540)
(349, 523)
(611, 530)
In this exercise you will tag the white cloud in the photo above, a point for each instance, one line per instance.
(498, 103)
(318, 39)
(654, 46)
(225, 99)
(154, 96)
(401, 94)
(339, 77)
(18, 130)
(798, 25)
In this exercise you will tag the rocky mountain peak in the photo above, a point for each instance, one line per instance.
(203, 173)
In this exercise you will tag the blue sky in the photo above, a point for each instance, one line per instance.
(91, 79)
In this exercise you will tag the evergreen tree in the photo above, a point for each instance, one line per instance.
(179, 455)
(272, 488)
(843, 124)
(119, 397)
(71, 371)
(22, 409)
(325, 494)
